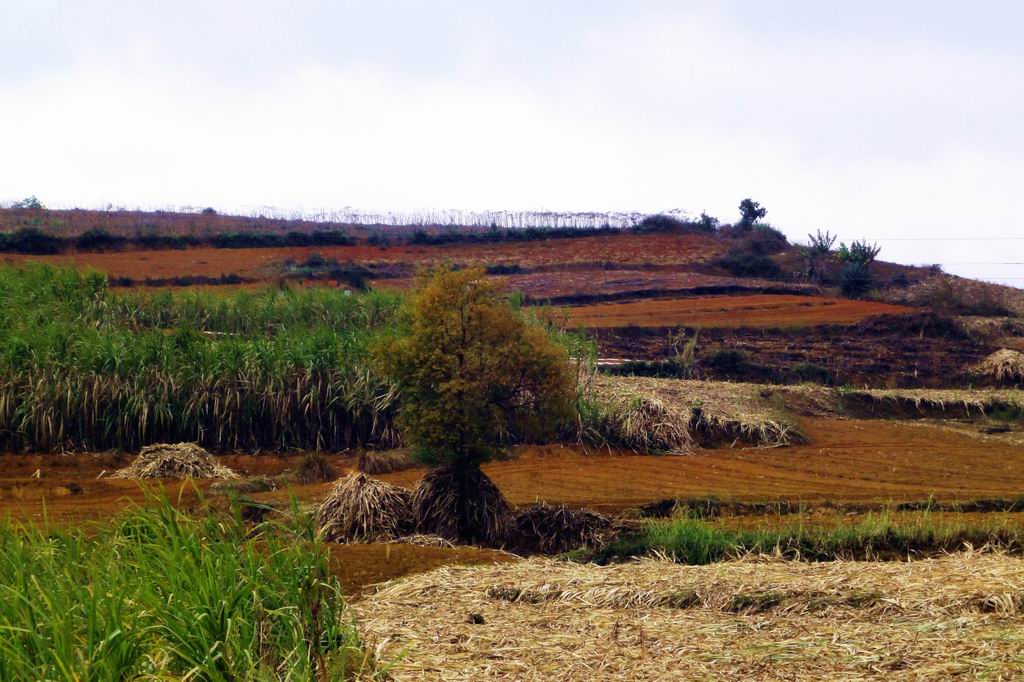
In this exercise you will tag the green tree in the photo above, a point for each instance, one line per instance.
(474, 372)
(751, 212)
(858, 253)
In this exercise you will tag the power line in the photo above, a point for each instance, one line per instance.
(942, 239)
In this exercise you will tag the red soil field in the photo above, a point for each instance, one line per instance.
(568, 282)
(847, 460)
(664, 249)
(766, 311)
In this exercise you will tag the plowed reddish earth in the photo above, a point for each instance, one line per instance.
(579, 282)
(729, 311)
(261, 263)
(847, 460)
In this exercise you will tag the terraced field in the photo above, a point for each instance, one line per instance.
(764, 311)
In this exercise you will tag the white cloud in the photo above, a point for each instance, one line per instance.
(858, 127)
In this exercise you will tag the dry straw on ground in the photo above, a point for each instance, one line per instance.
(1004, 365)
(181, 460)
(959, 615)
(552, 529)
(462, 505)
(671, 415)
(363, 509)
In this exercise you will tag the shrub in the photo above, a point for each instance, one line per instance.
(729, 361)
(331, 238)
(708, 223)
(859, 252)
(810, 372)
(165, 241)
(740, 263)
(30, 240)
(30, 203)
(856, 280)
(660, 222)
(505, 269)
(209, 210)
(98, 239)
(766, 240)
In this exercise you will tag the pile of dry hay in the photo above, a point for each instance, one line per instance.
(553, 529)
(182, 460)
(959, 615)
(461, 504)
(670, 415)
(1004, 365)
(363, 509)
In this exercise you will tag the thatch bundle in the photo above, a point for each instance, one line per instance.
(553, 529)
(1004, 365)
(363, 509)
(181, 460)
(376, 463)
(462, 505)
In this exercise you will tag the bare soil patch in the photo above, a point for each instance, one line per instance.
(358, 566)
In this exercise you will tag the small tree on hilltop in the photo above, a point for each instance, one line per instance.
(474, 373)
(751, 212)
(818, 247)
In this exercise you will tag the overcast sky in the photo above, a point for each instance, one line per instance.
(879, 119)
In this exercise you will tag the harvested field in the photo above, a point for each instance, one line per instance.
(264, 264)
(851, 355)
(763, 311)
(579, 283)
(845, 460)
(765, 619)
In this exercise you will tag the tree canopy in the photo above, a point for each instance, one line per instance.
(474, 371)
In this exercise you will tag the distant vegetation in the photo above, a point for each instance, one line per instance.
(85, 368)
(32, 240)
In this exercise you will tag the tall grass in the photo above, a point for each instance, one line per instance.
(692, 541)
(84, 368)
(160, 594)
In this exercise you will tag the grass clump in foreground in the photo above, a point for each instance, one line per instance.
(162, 594)
(878, 536)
